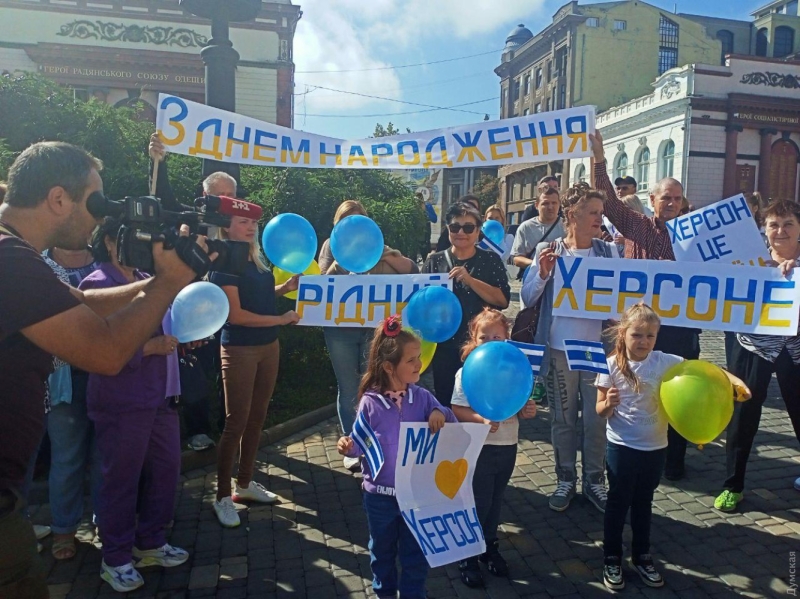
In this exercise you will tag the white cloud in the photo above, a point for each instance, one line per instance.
(347, 34)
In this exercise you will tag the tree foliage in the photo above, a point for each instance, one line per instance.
(390, 129)
(487, 188)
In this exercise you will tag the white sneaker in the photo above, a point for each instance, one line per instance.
(352, 464)
(166, 556)
(122, 578)
(253, 492)
(226, 513)
(41, 531)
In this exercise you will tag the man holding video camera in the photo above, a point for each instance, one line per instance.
(96, 331)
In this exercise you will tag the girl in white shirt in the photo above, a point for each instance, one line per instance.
(636, 436)
(499, 453)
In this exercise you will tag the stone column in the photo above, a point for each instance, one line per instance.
(731, 146)
(764, 162)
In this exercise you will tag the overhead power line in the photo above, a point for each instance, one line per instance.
(433, 83)
(359, 116)
(403, 66)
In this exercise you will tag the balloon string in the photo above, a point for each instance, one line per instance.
(700, 447)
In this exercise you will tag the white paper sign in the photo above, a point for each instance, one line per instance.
(717, 297)
(724, 232)
(359, 300)
(433, 486)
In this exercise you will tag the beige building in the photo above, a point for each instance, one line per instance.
(596, 54)
(122, 51)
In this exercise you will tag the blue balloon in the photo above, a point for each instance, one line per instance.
(199, 311)
(497, 379)
(494, 231)
(435, 313)
(290, 242)
(357, 243)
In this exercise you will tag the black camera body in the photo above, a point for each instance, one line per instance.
(145, 220)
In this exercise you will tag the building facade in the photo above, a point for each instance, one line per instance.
(720, 130)
(123, 51)
(598, 54)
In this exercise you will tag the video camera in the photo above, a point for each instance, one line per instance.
(145, 220)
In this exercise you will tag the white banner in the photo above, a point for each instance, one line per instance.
(742, 299)
(724, 232)
(198, 130)
(433, 486)
(359, 300)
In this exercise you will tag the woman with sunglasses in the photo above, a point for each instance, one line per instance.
(479, 281)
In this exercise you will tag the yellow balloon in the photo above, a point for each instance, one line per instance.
(281, 276)
(428, 349)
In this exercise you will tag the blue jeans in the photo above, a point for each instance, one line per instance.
(633, 476)
(73, 448)
(390, 538)
(348, 348)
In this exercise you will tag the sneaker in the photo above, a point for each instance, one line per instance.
(41, 531)
(565, 491)
(166, 556)
(612, 574)
(673, 474)
(647, 570)
(200, 442)
(122, 578)
(597, 494)
(727, 501)
(352, 464)
(471, 572)
(797, 484)
(226, 513)
(495, 562)
(254, 492)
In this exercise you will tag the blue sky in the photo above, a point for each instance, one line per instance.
(349, 45)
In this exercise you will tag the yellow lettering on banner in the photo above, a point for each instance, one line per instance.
(495, 144)
(401, 154)
(259, 146)
(377, 155)
(659, 280)
(324, 154)
(357, 155)
(768, 304)
(443, 157)
(469, 147)
(713, 293)
(577, 136)
(591, 306)
(287, 151)
(548, 136)
(380, 303)
(766, 320)
(174, 121)
(308, 295)
(569, 294)
(358, 317)
(198, 149)
(521, 140)
(244, 142)
(707, 316)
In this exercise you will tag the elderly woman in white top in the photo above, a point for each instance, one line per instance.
(754, 358)
(568, 391)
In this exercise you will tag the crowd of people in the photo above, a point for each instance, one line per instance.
(88, 356)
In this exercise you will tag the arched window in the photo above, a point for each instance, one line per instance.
(784, 41)
(725, 38)
(643, 168)
(762, 41)
(621, 165)
(580, 174)
(667, 165)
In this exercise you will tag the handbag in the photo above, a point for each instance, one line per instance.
(524, 329)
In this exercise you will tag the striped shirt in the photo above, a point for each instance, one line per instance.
(646, 238)
(769, 347)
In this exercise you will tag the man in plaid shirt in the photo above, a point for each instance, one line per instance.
(647, 238)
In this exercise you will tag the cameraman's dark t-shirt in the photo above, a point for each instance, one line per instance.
(30, 292)
(256, 295)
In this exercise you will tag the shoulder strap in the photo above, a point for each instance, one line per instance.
(6, 231)
(553, 226)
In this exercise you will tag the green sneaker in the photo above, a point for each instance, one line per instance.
(727, 501)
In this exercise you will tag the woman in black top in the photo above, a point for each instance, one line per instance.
(479, 280)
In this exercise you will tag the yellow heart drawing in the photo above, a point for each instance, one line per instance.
(450, 476)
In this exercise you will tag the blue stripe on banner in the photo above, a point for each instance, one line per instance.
(365, 438)
(534, 353)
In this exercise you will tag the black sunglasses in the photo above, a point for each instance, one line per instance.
(468, 228)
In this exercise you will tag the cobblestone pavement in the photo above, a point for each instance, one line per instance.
(313, 544)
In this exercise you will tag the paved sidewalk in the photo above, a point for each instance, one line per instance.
(314, 543)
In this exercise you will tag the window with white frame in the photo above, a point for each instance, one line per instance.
(593, 22)
(643, 168)
(621, 165)
(667, 159)
(620, 25)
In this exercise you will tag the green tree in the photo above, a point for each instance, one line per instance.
(390, 129)
(487, 189)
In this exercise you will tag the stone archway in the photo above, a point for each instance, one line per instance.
(783, 170)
